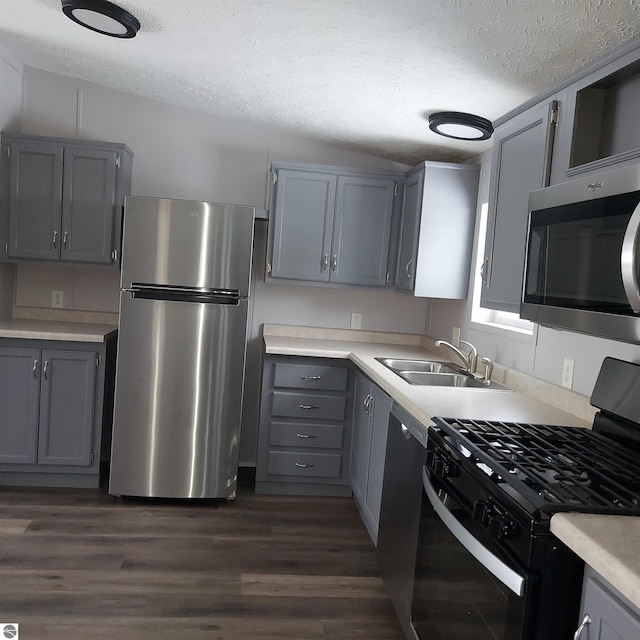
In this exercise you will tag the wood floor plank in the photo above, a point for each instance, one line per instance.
(13, 526)
(311, 586)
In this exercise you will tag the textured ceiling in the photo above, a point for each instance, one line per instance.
(363, 74)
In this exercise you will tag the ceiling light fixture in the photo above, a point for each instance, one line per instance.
(101, 16)
(461, 126)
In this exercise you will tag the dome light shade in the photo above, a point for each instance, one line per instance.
(102, 16)
(461, 126)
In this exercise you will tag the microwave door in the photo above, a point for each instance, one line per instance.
(629, 261)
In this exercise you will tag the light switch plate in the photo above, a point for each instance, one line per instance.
(455, 336)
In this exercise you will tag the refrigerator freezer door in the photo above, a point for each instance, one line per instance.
(184, 242)
(178, 401)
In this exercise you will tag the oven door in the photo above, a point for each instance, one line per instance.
(465, 588)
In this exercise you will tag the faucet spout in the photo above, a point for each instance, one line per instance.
(444, 343)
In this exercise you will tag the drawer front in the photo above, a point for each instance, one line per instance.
(310, 376)
(308, 465)
(307, 405)
(318, 436)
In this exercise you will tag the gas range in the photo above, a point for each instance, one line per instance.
(490, 489)
(548, 469)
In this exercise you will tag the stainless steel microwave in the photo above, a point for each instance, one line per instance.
(581, 265)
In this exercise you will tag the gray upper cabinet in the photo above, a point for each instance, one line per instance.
(302, 223)
(64, 198)
(521, 163)
(361, 231)
(331, 225)
(436, 234)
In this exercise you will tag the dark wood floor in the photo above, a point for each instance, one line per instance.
(82, 564)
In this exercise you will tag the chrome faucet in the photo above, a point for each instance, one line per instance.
(470, 360)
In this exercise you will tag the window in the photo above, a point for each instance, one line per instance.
(489, 317)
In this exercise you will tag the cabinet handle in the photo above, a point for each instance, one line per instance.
(300, 465)
(483, 271)
(114, 255)
(370, 408)
(65, 239)
(334, 262)
(35, 369)
(308, 406)
(55, 239)
(324, 262)
(407, 269)
(311, 377)
(306, 436)
(45, 370)
(586, 621)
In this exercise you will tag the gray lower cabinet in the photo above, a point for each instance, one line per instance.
(64, 199)
(605, 614)
(55, 399)
(521, 162)
(370, 423)
(436, 233)
(304, 437)
(331, 225)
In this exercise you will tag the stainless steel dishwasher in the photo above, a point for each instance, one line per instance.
(400, 510)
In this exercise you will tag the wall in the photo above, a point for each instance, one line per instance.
(187, 154)
(10, 102)
(540, 355)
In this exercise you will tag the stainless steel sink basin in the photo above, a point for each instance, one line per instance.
(449, 380)
(432, 373)
(423, 366)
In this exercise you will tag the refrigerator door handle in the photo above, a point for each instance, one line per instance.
(183, 294)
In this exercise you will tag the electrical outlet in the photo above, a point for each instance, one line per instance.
(356, 321)
(57, 299)
(567, 373)
(455, 336)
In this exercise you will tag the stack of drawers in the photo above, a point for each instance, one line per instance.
(305, 427)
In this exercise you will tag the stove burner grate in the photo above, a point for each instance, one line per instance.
(555, 468)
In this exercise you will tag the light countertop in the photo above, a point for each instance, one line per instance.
(607, 543)
(56, 330)
(424, 402)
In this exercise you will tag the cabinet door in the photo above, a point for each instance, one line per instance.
(612, 618)
(20, 384)
(359, 469)
(301, 236)
(361, 231)
(35, 194)
(67, 400)
(408, 250)
(88, 205)
(381, 407)
(520, 164)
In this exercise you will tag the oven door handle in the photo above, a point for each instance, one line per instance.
(629, 261)
(486, 558)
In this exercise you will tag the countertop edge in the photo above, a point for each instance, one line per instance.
(607, 543)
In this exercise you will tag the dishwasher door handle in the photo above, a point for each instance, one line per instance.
(486, 558)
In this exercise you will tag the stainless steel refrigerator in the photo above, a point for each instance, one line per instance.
(181, 348)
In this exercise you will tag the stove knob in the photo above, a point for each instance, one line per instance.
(480, 511)
(441, 468)
(500, 527)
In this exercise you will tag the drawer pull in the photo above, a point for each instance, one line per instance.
(304, 436)
(311, 377)
(301, 465)
(309, 406)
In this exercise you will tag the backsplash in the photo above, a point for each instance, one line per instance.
(84, 289)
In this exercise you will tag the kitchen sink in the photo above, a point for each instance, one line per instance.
(437, 374)
(420, 366)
